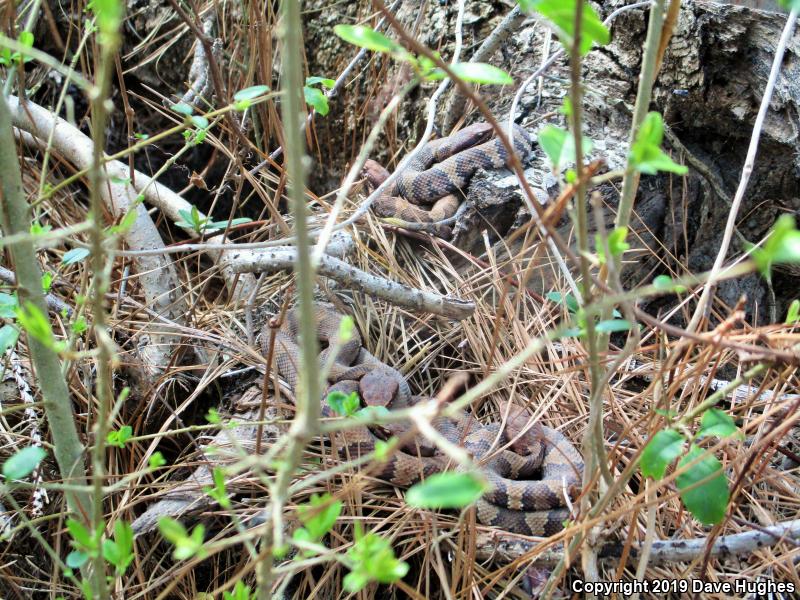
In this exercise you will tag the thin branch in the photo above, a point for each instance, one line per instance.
(747, 170)
(276, 259)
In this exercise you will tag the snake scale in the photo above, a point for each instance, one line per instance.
(516, 501)
(427, 189)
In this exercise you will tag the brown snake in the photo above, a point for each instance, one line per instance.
(516, 502)
(441, 170)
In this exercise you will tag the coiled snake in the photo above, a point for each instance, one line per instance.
(516, 502)
(441, 170)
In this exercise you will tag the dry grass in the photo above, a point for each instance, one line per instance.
(441, 548)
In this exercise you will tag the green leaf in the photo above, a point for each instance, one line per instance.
(212, 416)
(317, 99)
(183, 109)
(561, 13)
(793, 314)
(240, 592)
(328, 83)
(319, 515)
(186, 545)
(481, 73)
(157, 460)
(249, 93)
(343, 404)
(80, 535)
(782, 246)
(665, 283)
(646, 155)
(612, 326)
(120, 437)
(35, 324)
(26, 39)
(8, 306)
(708, 500)
(383, 449)
(76, 559)
(119, 551)
(199, 121)
(717, 422)
(616, 243)
(659, 452)
(446, 490)
(364, 37)
(567, 300)
(23, 462)
(372, 559)
(559, 145)
(75, 255)
(219, 492)
(8, 337)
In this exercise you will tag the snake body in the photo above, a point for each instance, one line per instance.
(426, 191)
(516, 502)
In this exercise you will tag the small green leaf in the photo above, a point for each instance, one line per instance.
(646, 155)
(708, 500)
(364, 37)
(76, 559)
(319, 515)
(219, 492)
(8, 306)
(446, 490)
(567, 300)
(782, 246)
(665, 283)
(612, 326)
(199, 121)
(23, 462)
(616, 243)
(35, 324)
(8, 337)
(559, 145)
(75, 255)
(212, 416)
(718, 423)
(251, 92)
(328, 83)
(80, 535)
(793, 314)
(26, 39)
(561, 13)
(343, 404)
(157, 460)
(659, 452)
(317, 99)
(384, 449)
(186, 546)
(182, 108)
(119, 437)
(481, 73)
(372, 559)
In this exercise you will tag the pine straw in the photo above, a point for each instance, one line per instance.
(440, 547)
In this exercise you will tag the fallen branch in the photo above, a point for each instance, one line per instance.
(508, 548)
(280, 259)
(156, 274)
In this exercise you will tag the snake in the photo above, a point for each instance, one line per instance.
(529, 481)
(427, 190)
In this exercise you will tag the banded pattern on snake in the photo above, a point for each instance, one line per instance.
(442, 170)
(516, 502)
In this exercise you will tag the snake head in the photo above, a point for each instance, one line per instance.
(375, 173)
(378, 388)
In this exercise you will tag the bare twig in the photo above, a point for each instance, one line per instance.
(286, 258)
(747, 170)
